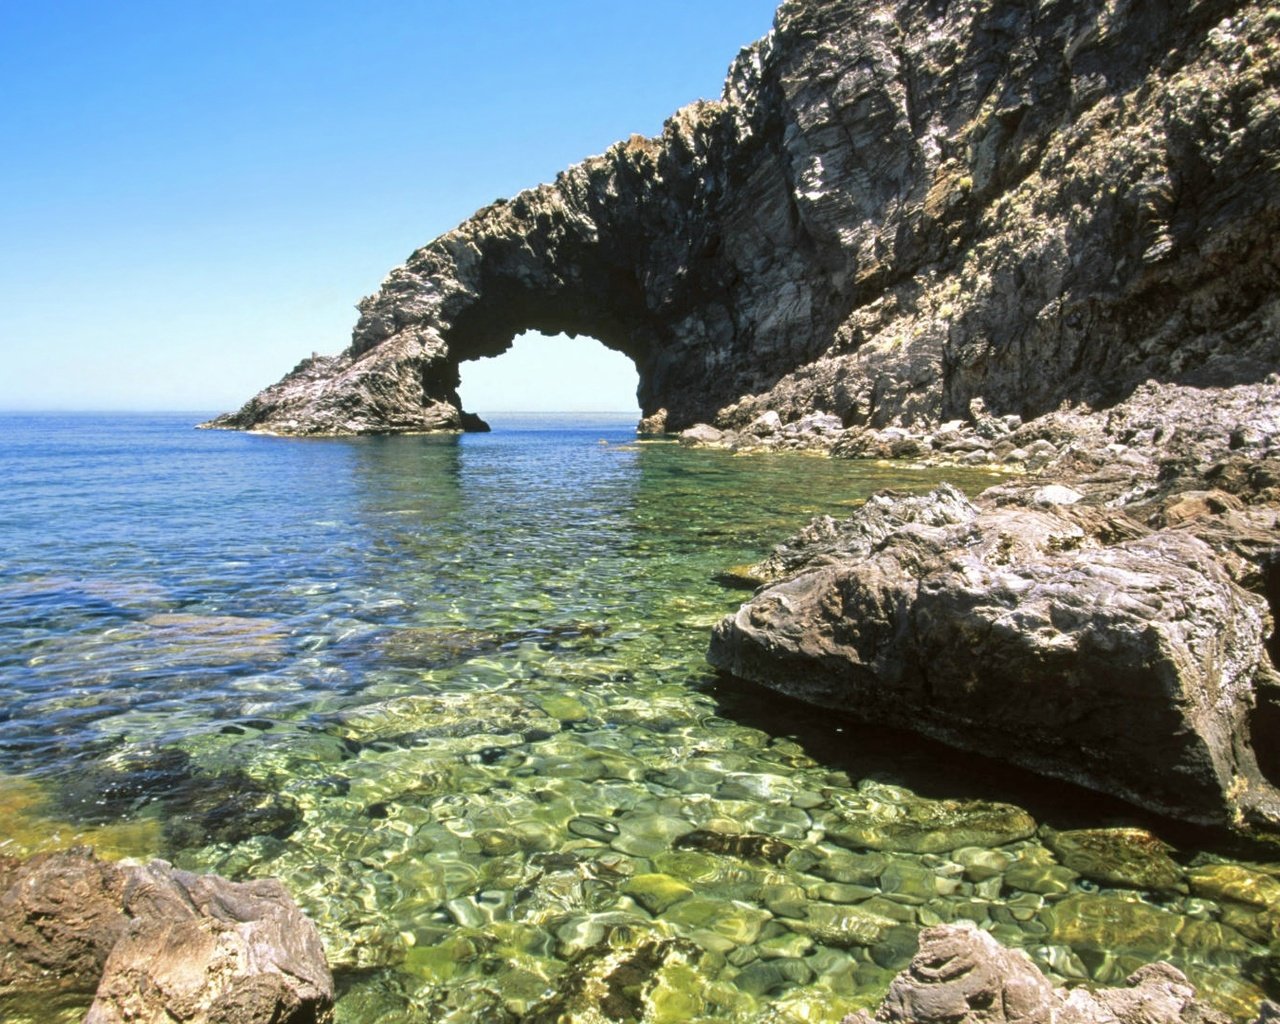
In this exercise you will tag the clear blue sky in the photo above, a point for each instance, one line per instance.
(192, 196)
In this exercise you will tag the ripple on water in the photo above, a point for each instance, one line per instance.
(453, 693)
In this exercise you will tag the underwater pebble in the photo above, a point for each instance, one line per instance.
(599, 829)
(765, 977)
(841, 926)
(656, 892)
(908, 882)
(643, 835)
(855, 868)
(979, 864)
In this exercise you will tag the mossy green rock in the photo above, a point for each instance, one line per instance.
(1236, 883)
(1131, 858)
(932, 826)
(1036, 871)
(1105, 924)
(785, 900)
(842, 926)
(851, 868)
(736, 922)
(1262, 927)
(765, 977)
(656, 892)
(841, 892)
(979, 864)
(908, 882)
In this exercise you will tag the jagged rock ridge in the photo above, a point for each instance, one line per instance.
(895, 208)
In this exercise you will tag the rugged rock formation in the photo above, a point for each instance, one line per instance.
(1116, 632)
(961, 975)
(159, 944)
(895, 208)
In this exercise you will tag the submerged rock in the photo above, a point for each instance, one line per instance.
(612, 981)
(1128, 857)
(748, 845)
(197, 807)
(931, 826)
(1236, 883)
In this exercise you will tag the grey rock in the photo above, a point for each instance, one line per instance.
(1129, 667)
(826, 541)
(961, 975)
(895, 214)
(702, 433)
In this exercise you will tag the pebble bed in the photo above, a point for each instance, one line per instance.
(453, 694)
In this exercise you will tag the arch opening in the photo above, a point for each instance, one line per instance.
(550, 373)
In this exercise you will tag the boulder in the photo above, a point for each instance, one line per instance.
(1026, 634)
(701, 433)
(961, 975)
(60, 917)
(159, 944)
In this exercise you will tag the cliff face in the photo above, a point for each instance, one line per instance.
(895, 208)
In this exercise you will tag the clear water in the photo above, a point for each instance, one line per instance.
(452, 691)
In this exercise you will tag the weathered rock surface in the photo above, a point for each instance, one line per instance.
(159, 944)
(1128, 667)
(895, 209)
(961, 975)
(1119, 639)
(60, 917)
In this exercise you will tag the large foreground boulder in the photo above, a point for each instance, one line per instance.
(160, 944)
(1072, 641)
(961, 975)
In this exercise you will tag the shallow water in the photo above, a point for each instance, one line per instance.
(452, 691)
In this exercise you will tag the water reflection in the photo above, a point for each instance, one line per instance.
(453, 692)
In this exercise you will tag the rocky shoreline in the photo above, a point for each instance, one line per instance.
(1104, 616)
(1041, 242)
(1037, 239)
(892, 211)
(158, 944)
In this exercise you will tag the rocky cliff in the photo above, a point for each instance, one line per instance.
(894, 209)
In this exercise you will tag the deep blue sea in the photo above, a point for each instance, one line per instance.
(452, 691)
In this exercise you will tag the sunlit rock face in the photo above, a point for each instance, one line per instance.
(894, 208)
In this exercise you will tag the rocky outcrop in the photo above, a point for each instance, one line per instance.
(158, 944)
(1113, 629)
(961, 975)
(894, 209)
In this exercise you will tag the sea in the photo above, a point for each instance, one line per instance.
(452, 691)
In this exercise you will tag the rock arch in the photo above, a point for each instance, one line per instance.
(894, 209)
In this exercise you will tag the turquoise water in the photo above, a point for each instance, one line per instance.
(452, 691)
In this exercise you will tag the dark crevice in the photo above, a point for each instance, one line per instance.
(1264, 723)
(1271, 590)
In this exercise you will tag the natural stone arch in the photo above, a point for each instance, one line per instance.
(627, 248)
(894, 210)
(558, 373)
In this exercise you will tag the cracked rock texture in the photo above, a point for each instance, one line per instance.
(895, 208)
(961, 975)
(156, 944)
(1115, 628)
